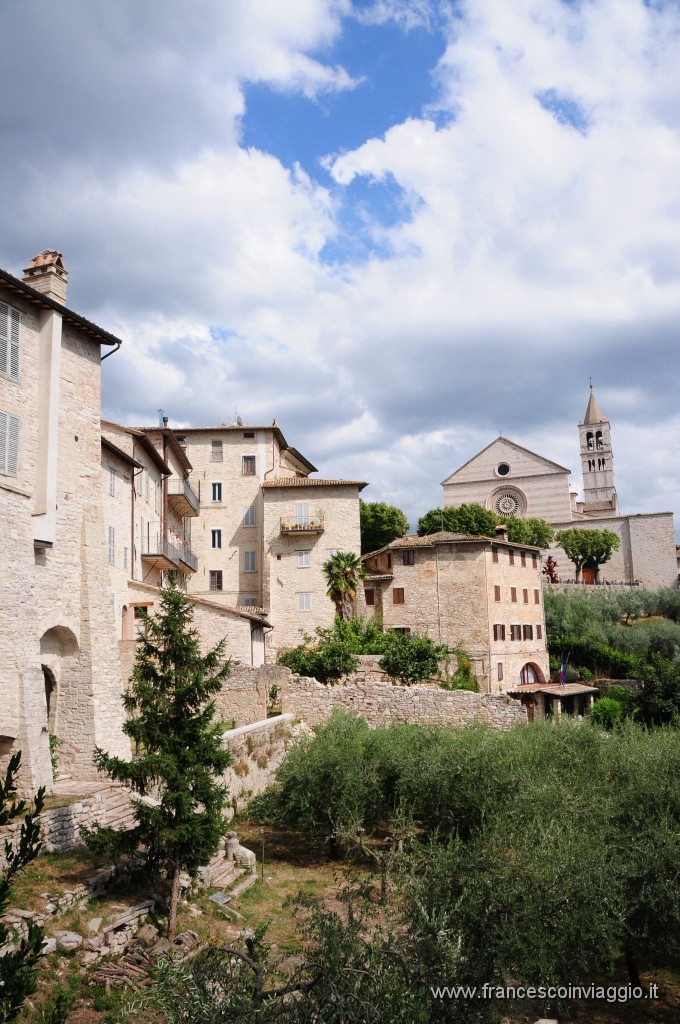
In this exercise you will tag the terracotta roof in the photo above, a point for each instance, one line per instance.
(429, 540)
(95, 333)
(253, 616)
(283, 444)
(307, 481)
(146, 444)
(553, 689)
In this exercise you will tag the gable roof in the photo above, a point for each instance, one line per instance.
(90, 330)
(513, 444)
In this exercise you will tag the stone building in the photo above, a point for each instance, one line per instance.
(60, 671)
(481, 594)
(265, 527)
(149, 510)
(512, 480)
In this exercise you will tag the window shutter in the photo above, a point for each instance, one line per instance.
(9, 444)
(10, 320)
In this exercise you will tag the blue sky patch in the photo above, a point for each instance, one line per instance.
(395, 68)
(564, 109)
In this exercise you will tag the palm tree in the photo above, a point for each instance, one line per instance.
(344, 572)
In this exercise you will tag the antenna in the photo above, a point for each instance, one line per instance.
(160, 417)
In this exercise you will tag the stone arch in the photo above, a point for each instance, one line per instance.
(531, 673)
(61, 671)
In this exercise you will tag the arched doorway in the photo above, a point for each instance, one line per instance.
(50, 699)
(59, 661)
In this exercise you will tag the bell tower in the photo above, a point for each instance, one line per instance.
(597, 462)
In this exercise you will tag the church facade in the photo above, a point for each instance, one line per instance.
(511, 480)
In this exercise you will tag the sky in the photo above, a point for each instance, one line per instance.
(398, 227)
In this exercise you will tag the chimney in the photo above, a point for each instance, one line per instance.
(502, 532)
(46, 274)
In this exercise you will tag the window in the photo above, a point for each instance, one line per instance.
(370, 596)
(9, 341)
(125, 558)
(304, 602)
(523, 559)
(496, 593)
(112, 481)
(528, 632)
(215, 579)
(112, 545)
(216, 538)
(515, 632)
(539, 632)
(181, 440)
(537, 597)
(249, 516)
(248, 465)
(499, 669)
(249, 602)
(398, 595)
(408, 557)
(250, 561)
(598, 439)
(403, 630)
(389, 560)
(216, 452)
(513, 594)
(534, 561)
(499, 632)
(302, 513)
(217, 490)
(511, 556)
(303, 559)
(147, 487)
(9, 444)
(249, 434)
(494, 554)
(525, 596)
(157, 495)
(138, 482)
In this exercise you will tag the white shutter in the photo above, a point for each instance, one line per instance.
(10, 319)
(9, 444)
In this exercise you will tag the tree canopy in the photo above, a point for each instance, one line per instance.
(588, 549)
(18, 966)
(380, 524)
(180, 757)
(482, 522)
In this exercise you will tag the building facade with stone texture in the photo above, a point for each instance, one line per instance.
(60, 671)
(512, 480)
(265, 528)
(481, 594)
(150, 509)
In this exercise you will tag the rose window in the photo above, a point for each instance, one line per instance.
(507, 503)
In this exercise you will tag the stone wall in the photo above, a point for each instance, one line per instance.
(59, 826)
(378, 703)
(257, 750)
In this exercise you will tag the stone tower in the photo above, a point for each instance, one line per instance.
(597, 462)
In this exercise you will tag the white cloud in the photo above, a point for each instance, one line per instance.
(532, 252)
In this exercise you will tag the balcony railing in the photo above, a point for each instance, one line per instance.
(188, 558)
(182, 499)
(164, 554)
(302, 524)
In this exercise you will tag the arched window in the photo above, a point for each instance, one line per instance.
(590, 442)
(598, 437)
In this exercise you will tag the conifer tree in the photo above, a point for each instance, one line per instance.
(18, 967)
(180, 758)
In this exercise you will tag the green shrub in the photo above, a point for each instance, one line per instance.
(606, 712)
(411, 658)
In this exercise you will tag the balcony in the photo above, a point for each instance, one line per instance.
(181, 499)
(302, 524)
(161, 552)
(188, 558)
